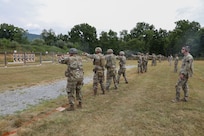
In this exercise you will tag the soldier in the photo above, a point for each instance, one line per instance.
(185, 72)
(99, 67)
(75, 75)
(176, 63)
(140, 62)
(170, 59)
(145, 62)
(159, 58)
(154, 60)
(111, 69)
(122, 69)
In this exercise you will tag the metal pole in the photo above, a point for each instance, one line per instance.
(5, 59)
(40, 58)
(24, 58)
(52, 57)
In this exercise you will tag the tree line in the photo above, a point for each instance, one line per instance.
(142, 38)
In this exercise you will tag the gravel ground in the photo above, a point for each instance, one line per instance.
(18, 100)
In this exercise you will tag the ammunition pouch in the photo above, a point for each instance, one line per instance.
(100, 73)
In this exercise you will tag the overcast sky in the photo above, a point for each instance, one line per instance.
(117, 15)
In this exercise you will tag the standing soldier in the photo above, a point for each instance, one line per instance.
(122, 68)
(170, 59)
(140, 62)
(75, 75)
(159, 58)
(154, 60)
(99, 64)
(176, 63)
(185, 72)
(111, 69)
(145, 62)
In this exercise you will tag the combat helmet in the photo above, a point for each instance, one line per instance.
(73, 51)
(98, 49)
(121, 53)
(109, 51)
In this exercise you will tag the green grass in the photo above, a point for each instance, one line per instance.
(141, 108)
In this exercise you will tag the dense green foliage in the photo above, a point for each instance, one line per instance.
(142, 38)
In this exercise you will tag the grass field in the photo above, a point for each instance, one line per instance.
(141, 108)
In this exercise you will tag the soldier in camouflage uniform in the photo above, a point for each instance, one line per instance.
(176, 63)
(74, 74)
(145, 62)
(140, 62)
(154, 60)
(185, 72)
(122, 69)
(111, 69)
(99, 67)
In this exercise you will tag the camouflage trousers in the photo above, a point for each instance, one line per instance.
(182, 84)
(145, 66)
(98, 78)
(175, 68)
(122, 71)
(72, 88)
(111, 75)
(139, 68)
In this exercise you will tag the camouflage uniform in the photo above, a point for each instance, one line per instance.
(98, 70)
(170, 59)
(140, 63)
(145, 62)
(154, 60)
(122, 69)
(74, 76)
(111, 69)
(159, 58)
(185, 72)
(176, 64)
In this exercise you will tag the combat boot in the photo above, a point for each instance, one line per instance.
(71, 108)
(79, 105)
(103, 91)
(184, 99)
(175, 100)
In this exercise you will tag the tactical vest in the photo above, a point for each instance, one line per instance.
(122, 61)
(110, 61)
(75, 68)
(187, 65)
(99, 60)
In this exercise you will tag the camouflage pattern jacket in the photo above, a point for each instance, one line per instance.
(122, 61)
(187, 65)
(98, 61)
(74, 70)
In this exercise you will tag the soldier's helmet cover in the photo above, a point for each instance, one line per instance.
(122, 53)
(110, 51)
(98, 49)
(73, 51)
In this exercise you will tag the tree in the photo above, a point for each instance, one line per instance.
(49, 37)
(201, 47)
(109, 40)
(140, 29)
(158, 42)
(13, 33)
(185, 33)
(85, 35)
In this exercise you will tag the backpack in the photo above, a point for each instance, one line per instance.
(75, 68)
